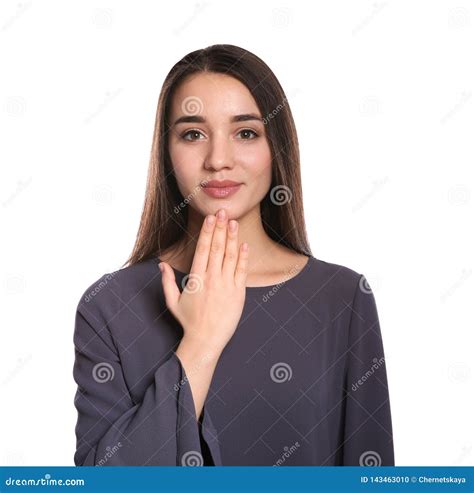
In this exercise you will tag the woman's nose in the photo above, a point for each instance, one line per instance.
(219, 154)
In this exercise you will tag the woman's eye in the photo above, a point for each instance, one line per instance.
(192, 134)
(248, 134)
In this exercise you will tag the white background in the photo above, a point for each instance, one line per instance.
(382, 99)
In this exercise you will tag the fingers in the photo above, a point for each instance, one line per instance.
(217, 249)
(242, 265)
(216, 254)
(203, 245)
(232, 249)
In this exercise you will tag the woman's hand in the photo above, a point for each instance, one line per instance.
(211, 304)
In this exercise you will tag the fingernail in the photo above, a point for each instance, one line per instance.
(233, 225)
(160, 265)
(221, 214)
(211, 219)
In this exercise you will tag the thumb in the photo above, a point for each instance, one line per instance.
(170, 288)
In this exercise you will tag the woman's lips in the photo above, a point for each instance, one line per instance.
(221, 192)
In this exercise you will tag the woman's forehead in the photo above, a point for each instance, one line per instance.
(211, 95)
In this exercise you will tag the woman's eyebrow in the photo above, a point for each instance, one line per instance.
(246, 117)
(236, 118)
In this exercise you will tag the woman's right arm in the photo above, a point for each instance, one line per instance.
(162, 429)
(211, 304)
(112, 429)
(199, 365)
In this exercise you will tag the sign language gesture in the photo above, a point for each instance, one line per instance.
(211, 304)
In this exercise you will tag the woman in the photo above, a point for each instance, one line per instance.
(224, 341)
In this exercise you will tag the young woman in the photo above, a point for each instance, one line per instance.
(224, 341)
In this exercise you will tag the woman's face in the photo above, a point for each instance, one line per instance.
(217, 133)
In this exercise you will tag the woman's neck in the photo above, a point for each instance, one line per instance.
(264, 251)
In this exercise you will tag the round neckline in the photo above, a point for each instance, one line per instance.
(286, 282)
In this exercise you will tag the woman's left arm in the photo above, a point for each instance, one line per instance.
(367, 438)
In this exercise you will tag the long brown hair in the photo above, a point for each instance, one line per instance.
(282, 207)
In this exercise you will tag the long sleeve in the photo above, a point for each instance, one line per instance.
(367, 438)
(111, 428)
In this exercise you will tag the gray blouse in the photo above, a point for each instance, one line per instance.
(302, 381)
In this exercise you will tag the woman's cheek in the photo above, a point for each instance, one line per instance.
(259, 168)
(255, 156)
(185, 164)
(184, 177)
